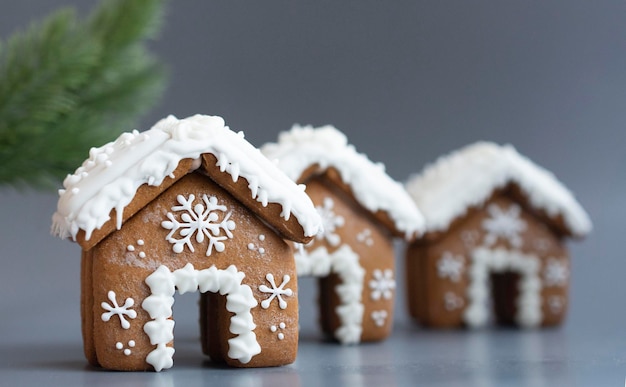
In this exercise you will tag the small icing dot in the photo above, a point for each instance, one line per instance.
(272, 328)
(130, 248)
(250, 246)
(84, 174)
(131, 343)
(75, 190)
(142, 254)
(261, 250)
(282, 325)
(281, 336)
(261, 237)
(127, 352)
(119, 345)
(140, 242)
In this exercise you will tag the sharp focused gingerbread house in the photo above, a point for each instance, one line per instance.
(495, 230)
(362, 209)
(191, 206)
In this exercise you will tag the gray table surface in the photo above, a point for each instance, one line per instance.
(412, 356)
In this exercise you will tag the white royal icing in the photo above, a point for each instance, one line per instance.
(122, 311)
(281, 326)
(345, 263)
(467, 178)
(365, 236)
(303, 147)
(485, 261)
(379, 317)
(110, 177)
(200, 220)
(504, 224)
(132, 249)
(450, 266)
(452, 301)
(556, 272)
(556, 304)
(382, 284)
(126, 351)
(239, 301)
(275, 291)
(253, 247)
(330, 222)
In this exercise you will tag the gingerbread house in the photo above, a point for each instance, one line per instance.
(362, 209)
(496, 224)
(190, 206)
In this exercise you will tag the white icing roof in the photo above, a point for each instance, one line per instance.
(111, 175)
(302, 147)
(467, 178)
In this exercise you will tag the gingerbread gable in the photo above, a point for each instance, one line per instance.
(304, 151)
(468, 177)
(121, 177)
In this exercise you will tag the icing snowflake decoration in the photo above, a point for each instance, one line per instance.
(379, 317)
(450, 266)
(382, 285)
(275, 291)
(330, 222)
(505, 224)
(201, 220)
(556, 273)
(115, 309)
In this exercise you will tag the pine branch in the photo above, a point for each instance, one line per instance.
(67, 85)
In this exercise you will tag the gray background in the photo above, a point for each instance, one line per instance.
(407, 82)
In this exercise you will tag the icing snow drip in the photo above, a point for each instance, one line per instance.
(467, 177)
(110, 177)
(302, 147)
(239, 301)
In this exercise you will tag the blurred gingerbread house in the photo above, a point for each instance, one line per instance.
(496, 224)
(362, 209)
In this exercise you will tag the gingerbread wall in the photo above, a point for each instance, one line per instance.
(442, 270)
(263, 274)
(347, 223)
